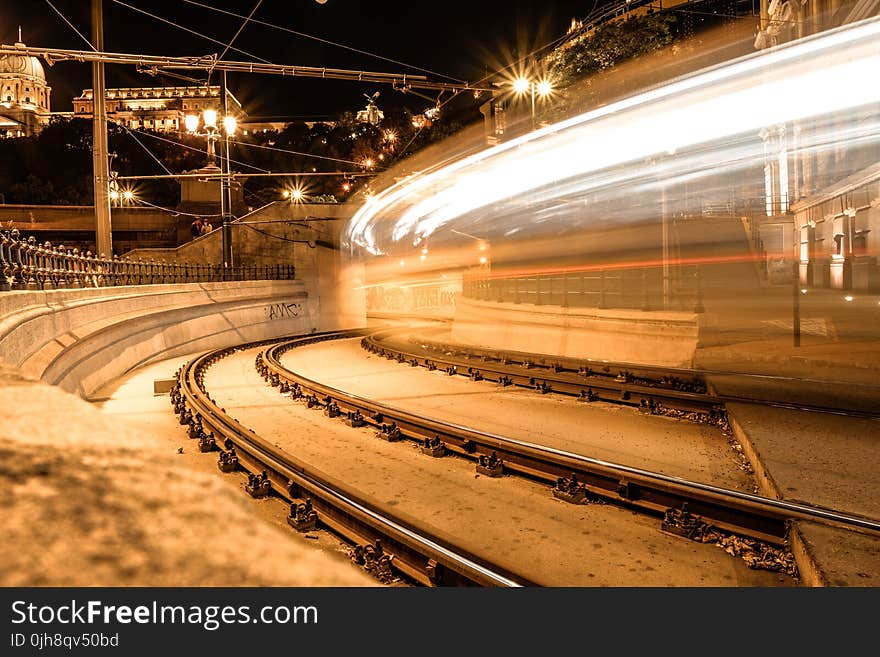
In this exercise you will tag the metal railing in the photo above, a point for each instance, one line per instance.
(28, 265)
(635, 289)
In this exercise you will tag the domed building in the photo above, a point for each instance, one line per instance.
(24, 95)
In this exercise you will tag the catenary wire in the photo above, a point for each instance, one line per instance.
(328, 42)
(72, 26)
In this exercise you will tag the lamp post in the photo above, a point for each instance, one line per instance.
(540, 88)
(209, 129)
(212, 132)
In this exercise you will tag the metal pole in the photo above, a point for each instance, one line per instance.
(533, 105)
(796, 305)
(665, 238)
(101, 165)
(225, 196)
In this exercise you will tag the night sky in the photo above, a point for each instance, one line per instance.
(463, 40)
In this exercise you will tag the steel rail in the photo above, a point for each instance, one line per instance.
(742, 513)
(567, 376)
(427, 559)
(601, 375)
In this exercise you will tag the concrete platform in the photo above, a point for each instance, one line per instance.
(820, 459)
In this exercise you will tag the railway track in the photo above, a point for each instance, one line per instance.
(685, 507)
(655, 390)
(383, 544)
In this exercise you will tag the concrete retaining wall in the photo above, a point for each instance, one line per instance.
(81, 339)
(655, 338)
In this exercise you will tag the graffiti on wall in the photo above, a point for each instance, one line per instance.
(283, 310)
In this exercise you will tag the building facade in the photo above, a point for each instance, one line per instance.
(156, 108)
(830, 193)
(24, 95)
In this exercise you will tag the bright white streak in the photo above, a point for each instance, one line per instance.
(821, 75)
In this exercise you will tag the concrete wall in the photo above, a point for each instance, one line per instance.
(74, 225)
(274, 234)
(654, 338)
(81, 339)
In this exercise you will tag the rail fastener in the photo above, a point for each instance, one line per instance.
(587, 396)
(302, 517)
(355, 419)
(569, 489)
(228, 461)
(389, 432)
(332, 409)
(207, 442)
(490, 465)
(682, 522)
(258, 485)
(433, 447)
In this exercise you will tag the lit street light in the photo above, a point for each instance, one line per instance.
(210, 130)
(541, 88)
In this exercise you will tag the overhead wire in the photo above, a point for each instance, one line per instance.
(148, 151)
(191, 148)
(496, 72)
(175, 212)
(72, 26)
(285, 150)
(232, 40)
(326, 41)
(186, 29)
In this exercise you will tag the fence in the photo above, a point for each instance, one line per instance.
(637, 289)
(27, 265)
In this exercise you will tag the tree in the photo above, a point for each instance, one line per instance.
(610, 44)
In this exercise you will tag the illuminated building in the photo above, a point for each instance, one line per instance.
(830, 194)
(156, 108)
(24, 101)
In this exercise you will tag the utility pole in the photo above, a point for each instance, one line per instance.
(101, 165)
(664, 228)
(225, 195)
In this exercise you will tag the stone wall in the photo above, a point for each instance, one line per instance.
(81, 339)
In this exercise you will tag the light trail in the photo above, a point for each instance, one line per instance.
(697, 129)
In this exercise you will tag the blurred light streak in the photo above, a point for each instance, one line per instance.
(720, 110)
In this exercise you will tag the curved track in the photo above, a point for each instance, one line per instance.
(742, 513)
(384, 543)
(656, 390)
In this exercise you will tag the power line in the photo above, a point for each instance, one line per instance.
(198, 150)
(155, 63)
(284, 150)
(265, 174)
(229, 45)
(174, 212)
(149, 152)
(186, 29)
(72, 26)
(320, 40)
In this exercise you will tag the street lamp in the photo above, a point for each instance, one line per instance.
(541, 88)
(212, 132)
(210, 129)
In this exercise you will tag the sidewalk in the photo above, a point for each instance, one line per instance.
(824, 459)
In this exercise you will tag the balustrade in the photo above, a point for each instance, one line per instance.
(26, 264)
